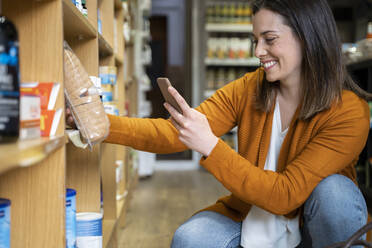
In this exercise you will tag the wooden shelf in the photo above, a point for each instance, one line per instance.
(119, 206)
(28, 152)
(129, 44)
(118, 5)
(76, 25)
(104, 47)
(232, 62)
(229, 28)
(119, 59)
(52, 164)
(108, 228)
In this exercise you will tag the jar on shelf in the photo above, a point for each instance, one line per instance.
(210, 79)
(211, 48)
(230, 75)
(220, 78)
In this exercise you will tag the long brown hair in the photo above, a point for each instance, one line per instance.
(324, 73)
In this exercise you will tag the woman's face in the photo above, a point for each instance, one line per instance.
(277, 47)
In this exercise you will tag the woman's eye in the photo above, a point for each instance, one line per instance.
(270, 40)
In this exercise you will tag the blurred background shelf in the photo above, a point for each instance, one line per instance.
(228, 28)
(232, 62)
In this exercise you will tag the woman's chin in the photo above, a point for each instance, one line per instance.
(271, 79)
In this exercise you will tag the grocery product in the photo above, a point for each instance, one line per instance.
(89, 230)
(4, 223)
(9, 81)
(70, 218)
(87, 108)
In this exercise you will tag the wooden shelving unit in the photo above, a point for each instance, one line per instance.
(34, 174)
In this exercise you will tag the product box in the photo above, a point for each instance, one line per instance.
(107, 93)
(49, 121)
(29, 116)
(108, 74)
(111, 108)
(48, 93)
(97, 83)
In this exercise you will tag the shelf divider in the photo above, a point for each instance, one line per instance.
(76, 25)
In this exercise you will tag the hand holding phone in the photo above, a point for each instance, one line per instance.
(193, 126)
(164, 84)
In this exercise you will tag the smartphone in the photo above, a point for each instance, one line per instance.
(163, 85)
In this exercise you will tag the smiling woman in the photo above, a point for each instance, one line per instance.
(323, 73)
(302, 123)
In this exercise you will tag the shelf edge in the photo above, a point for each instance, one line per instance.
(30, 154)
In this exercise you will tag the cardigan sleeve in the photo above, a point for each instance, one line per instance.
(145, 134)
(337, 143)
(160, 136)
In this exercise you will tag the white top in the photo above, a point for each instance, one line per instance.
(260, 228)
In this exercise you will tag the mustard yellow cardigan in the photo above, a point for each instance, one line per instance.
(328, 143)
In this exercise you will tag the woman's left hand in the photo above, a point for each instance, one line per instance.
(193, 126)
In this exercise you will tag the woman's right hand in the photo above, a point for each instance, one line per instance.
(69, 119)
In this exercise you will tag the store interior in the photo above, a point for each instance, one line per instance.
(55, 178)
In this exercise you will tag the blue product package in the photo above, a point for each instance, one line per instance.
(105, 78)
(4, 223)
(70, 218)
(99, 22)
(112, 78)
(106, 96)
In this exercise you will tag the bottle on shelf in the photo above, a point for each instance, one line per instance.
(229, 48)
(210, 79)
(218, 13)
(210, 13)
(369, 30)
(232, 13)
(220, 78)
(247, 13)
(230, 75)
(78, 5)
(240, 13)
(84, 8)
(225, 13)
(9, 81)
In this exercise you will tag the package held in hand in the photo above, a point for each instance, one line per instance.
(86, 106)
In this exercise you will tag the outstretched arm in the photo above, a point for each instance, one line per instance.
(145, 134)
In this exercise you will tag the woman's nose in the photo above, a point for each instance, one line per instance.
(260, 50)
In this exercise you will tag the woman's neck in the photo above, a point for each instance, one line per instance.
(290, 92)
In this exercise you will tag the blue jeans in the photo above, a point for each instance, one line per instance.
(333, 212)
